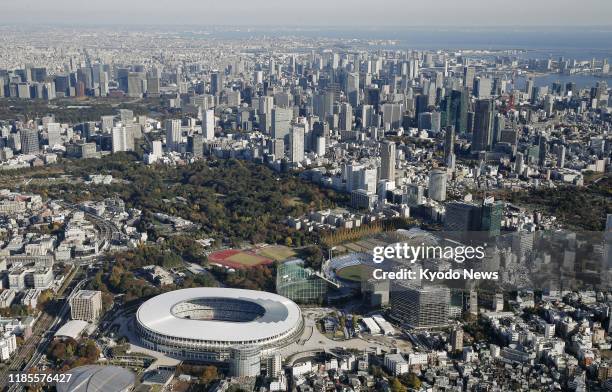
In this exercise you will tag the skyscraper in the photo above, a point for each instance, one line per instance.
(216, 82)
(346, 117)
(296, 143)
(455, 107)
(195, 145)
(420, 307)
(437, 184)
(54, 134)
(208, 124)
(135, 85)
(449, 142)
(173, 134)
(483, 118)
(153, 84)
(457, 339)
(107, 123)
(281, 122)
(468, 77)
(352, 88)
(491, 217)
(29, 141)
(123, 139)
(461, 217)
(387, 156)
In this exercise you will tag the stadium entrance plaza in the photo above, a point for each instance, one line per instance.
(310, 342)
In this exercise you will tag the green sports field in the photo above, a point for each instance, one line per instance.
(355, 273)
(248, 259)
(276, 252)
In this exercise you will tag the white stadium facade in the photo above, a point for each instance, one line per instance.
(209, 324)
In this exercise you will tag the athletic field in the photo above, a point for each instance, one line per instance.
(235, 258)
(355, 273)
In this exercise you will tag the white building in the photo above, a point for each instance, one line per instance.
(8, 345)
(396, 364)
(86, 305)
(208, 124)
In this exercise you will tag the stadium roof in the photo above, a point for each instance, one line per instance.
(280, 315)
(96, 378)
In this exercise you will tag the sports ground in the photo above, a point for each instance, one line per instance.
(355, 273)
(245, 258)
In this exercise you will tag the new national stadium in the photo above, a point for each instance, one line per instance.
(203, 324)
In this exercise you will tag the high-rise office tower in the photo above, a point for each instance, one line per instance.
(296, 143)
(561, 156)
(449, 142)
(217, 82)
(529, 85)
(542, 149)
(461, 217)
(195, 145)
(346, 117)
(277, 147)
(135, 86)
(482, 88)
(457, 339)
(352, 88)
(29, 141)
(281, 122)
(499, 123)
(387, 156)
(367, 116)
(208, 124)
(491, 217)
(54, 134)
(420, 307)
(468, 77)
(156, 148)
(483, 116)
(437, 184)
(122, 79)
(392, 114)
(519, 163)
(455, 107)
(421, 104)
(107, 123)
(123, 139)
(473, 302)
(126, 116)
(153, 84)
(360, 177)
(173, 134)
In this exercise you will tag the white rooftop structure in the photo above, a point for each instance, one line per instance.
(208, 321)
(72, 329)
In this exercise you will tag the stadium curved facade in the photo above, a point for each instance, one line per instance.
(203, 324)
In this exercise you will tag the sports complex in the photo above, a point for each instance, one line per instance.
(203, 324)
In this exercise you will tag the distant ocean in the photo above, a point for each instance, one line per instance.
(576, 43)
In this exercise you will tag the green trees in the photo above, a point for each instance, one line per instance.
(231, 200)
(68, 353)
(410, 380)
(397, 386)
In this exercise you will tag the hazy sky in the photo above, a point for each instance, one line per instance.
(312, 12)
